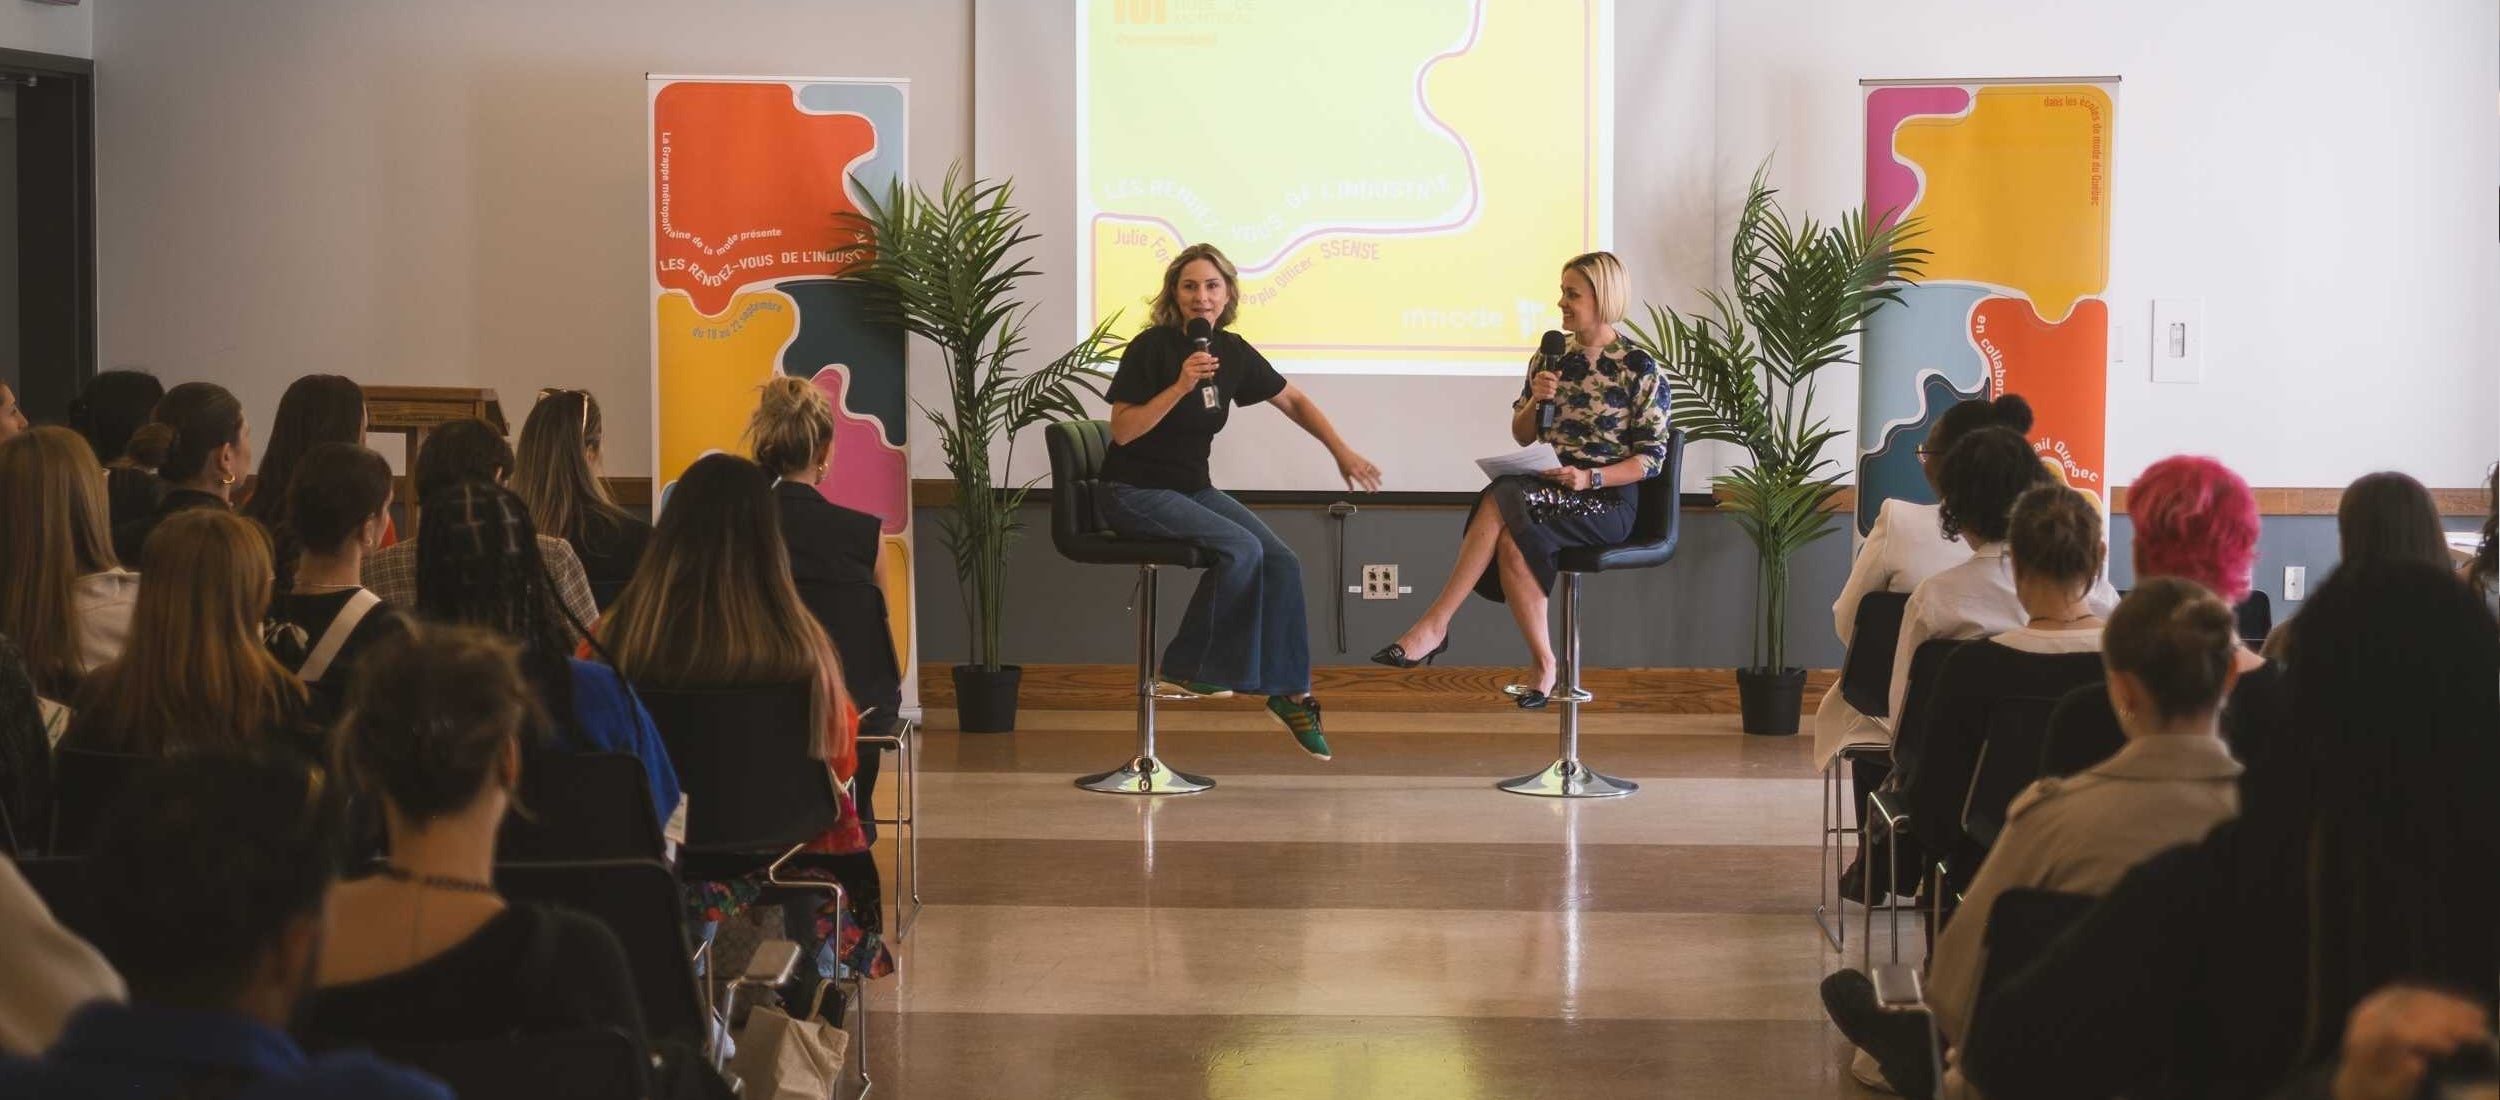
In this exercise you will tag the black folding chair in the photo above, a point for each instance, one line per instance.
(1865, 684)
(84, 785)
(638, 900)
(601, 1062)
(578, 806)
(2022, 922)
(756, 794)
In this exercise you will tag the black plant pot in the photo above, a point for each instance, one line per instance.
(1770, 700)
(985, 701)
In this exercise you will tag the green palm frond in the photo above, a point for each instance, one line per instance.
(946, 268)
(1744, 370)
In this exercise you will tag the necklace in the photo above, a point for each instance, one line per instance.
(397, 873)
(2038, 620)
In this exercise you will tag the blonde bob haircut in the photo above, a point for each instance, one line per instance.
(1607, 280)
(1167, 304)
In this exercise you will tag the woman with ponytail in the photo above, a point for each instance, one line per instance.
(556, 471)
(835, 555)
(208, 450)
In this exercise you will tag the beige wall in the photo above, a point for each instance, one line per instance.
(66, 30)
(449, 192)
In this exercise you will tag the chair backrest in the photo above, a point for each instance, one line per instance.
(2017, 728)
(1076, 448)
(2083, 731)
(1909, 728)
(2022, 922)
(590, 805)
(2256, 617)
(587, 1062)
(84, 785)
(745, 761)
(638, 900)
(1866, 671)
(1658, 507)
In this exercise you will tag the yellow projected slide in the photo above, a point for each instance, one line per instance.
(1399, 183)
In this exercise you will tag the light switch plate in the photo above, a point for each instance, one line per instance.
(2178, 341)
(2295, 583)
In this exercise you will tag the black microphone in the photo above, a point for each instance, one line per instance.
(1549, 350)
(1200, 333)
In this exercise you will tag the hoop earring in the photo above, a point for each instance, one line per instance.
(226, 480)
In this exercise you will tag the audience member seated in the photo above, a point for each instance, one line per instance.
(463, 451)
(477, 563)
(2170, 649)
(337, 510)
(112, 411)
(714, 607)
(51, 971)
(196, 676)
(1979, 480)
(835, 553)
(316, 409)
(426, 950)
(212, 883)
(557, 472)
(68, 601)
(12, 418)
(26, 734)
(2195, 520)
(2381, 517)
(208, 450)
(2217, 970)
(2483, 570)
(1906, 545)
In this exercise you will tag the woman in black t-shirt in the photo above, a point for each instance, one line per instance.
(337, 508)
(1244, 630)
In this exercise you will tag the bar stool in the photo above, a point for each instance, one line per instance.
(1077, 528)
(1655, 520)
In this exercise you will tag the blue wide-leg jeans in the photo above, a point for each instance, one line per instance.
(1245, 628)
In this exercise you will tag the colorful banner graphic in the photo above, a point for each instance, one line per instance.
(2011, 183)
(1397, 191)
(747, 178)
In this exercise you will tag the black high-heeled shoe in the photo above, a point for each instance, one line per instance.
(1394, 655)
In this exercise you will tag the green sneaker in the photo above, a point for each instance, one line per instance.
(1301, 719)
(1201, 690)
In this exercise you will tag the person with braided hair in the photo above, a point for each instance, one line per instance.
(479, 563)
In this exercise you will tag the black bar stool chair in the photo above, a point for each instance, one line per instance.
(1655, 521)
(1077, 528)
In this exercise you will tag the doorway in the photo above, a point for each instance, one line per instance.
(47, 229)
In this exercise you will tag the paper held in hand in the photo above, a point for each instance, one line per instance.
(1535, 458)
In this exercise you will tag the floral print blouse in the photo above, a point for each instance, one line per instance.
(1606, 412)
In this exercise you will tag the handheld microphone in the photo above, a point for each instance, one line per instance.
(1548, 351)
(1200, 334)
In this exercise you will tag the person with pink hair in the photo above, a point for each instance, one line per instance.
(2196, 520)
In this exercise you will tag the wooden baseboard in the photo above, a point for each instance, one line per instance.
(1376, 689)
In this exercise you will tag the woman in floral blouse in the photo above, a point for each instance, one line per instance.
(1610, 429)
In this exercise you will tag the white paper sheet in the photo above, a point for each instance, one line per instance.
(1532, 459)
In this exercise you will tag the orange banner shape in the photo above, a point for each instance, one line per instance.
(2059, 369)
(747, 188)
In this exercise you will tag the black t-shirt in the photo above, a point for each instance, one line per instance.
(532, 970)
(1173, 453)
(313, 613)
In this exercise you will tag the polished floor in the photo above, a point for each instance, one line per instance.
(1385, 925)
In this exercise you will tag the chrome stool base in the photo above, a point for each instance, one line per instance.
(1146, 775)
(1569, 779)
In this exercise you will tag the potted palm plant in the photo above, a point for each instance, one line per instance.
(1744, 369)
(946, 267)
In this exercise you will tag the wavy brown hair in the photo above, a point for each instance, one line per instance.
(713, 604)
(195, 676)
(551, 468)
(1167, 305)
(52, 492)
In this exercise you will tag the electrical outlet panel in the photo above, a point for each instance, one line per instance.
(1380, 582)
(2295, 583)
